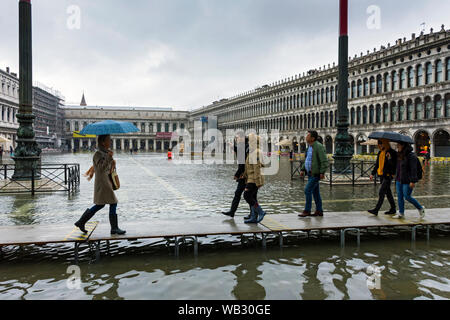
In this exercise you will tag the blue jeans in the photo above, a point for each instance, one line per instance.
(97, 207)
(404, 191)
(312, 190)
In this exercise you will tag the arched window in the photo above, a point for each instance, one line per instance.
(379, 83)
(429, 72)
(331, 118)
(401, 111)
(439, 71)
(352, 116)
(372, 85)
(366, 87)
(358, 115)
(394, 80)
(448, 69)
(77, 126)
(410, 77)
(394, 112)
(327, 98)
(371, 114)
(419, 75)
(331, 94)
(326, 119)
(437, 107)
(447, 106)
(428, 108)
(409, 110)
(378, 114)
(364, 115)
(322, 96)
(385, 113)
(359, 88)
(353, 89)
(387, 82)
(419, 109)
(402, 79)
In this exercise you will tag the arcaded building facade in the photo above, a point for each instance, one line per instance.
(404, 87)
(156, 125)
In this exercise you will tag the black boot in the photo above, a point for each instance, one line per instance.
(84, 218)
(373, 211)
(228, 213)
(114, 225)
(391, 211)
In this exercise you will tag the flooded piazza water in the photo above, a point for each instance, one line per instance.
(154, 188)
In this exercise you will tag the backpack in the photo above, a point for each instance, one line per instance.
(418, 166)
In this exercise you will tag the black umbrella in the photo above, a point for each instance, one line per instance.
(392, 136)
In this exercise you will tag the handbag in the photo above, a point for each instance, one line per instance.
(114, 177)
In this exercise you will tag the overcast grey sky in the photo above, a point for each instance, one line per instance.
(187, 53)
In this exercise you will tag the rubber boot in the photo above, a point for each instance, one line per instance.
(114, 225)
(84, 218)
(260, 212)
(253, 217)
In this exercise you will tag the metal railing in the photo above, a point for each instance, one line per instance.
(358, 171)
(52, 178)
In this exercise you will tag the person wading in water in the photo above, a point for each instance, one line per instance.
(385, 168)
(104, 164)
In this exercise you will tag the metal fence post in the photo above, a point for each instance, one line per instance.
(65, 174)
(5, 168)
(32, 181)
(353, 174)
(331, 174)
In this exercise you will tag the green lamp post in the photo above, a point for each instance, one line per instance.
(27, 153)
(343, 150)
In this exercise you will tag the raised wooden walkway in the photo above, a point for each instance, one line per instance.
(185, 231)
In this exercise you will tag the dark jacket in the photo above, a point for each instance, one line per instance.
(241, 166)
(390, 165)
(408, 168)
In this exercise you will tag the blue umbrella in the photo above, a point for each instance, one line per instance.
(109, 127)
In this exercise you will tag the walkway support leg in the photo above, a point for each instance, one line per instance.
(76, 252)
(358, 236)
(280, 236)
(97, 251)
(263, 235)
(195, 246)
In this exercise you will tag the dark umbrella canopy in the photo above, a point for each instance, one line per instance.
(392, 136)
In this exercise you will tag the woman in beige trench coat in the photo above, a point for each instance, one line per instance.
(254, 179)
(103, 188)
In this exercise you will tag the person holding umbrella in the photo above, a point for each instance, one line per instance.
(385, 168)
(409, 172)
(103, 166)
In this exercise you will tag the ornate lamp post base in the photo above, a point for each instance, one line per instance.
(27, 154)
(344, 150)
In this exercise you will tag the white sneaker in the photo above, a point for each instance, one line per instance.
(422, 212)
(398, 216)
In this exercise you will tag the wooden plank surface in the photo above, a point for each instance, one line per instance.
(342, 220)
(157, 228)
(43, 234)
(212, 225)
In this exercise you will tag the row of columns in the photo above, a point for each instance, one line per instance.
(91, 142)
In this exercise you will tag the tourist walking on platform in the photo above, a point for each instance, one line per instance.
(254, 179)
(104, 164)
(409, 172)
(241, 150)
(385, 168)
(315, 166)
